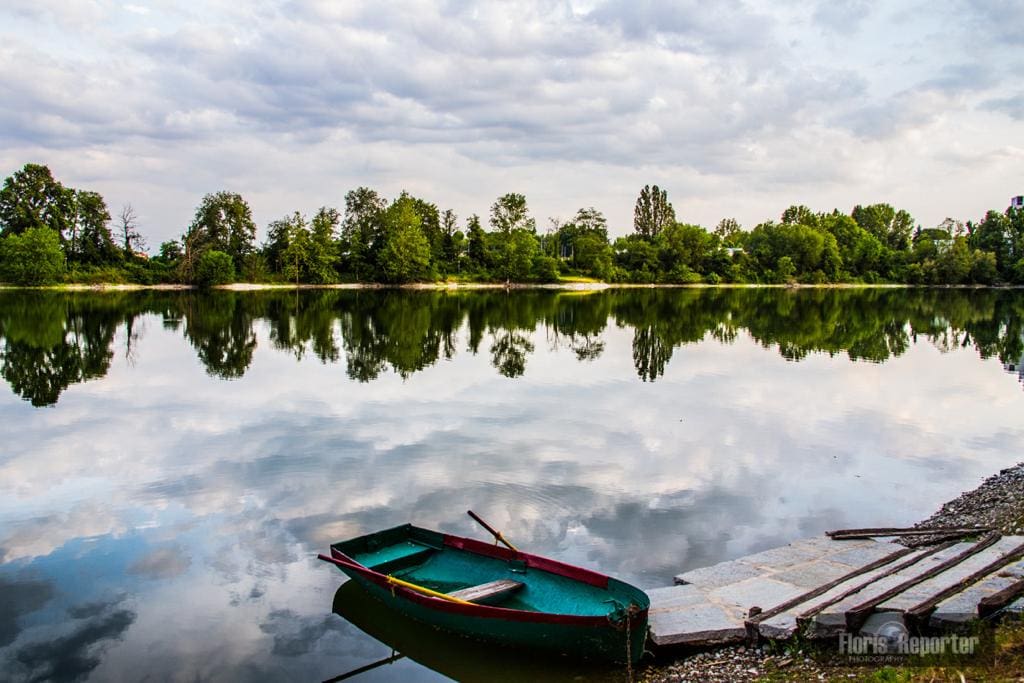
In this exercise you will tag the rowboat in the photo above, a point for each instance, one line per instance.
(497, 594)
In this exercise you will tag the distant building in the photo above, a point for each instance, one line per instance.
(1017, 202)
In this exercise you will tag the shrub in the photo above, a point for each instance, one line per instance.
(545, 269)
(215, 268)
(32, 258)
(96, 275)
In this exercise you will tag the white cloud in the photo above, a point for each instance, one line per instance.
(740, 109)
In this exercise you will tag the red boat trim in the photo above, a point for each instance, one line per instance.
(354, 569)
(544, 564)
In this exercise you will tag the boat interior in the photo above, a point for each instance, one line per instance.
(420, 556)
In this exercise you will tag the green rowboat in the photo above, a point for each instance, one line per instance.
(495, 594)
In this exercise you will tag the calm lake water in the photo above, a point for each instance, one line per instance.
(171, 463)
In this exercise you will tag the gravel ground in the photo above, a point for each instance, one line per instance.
(737, 663)
(997, 503)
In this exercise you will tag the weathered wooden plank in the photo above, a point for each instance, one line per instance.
(487, 591)
(829, 616)
(891, 571)
(997, 601)
(753, 623)
(856, 616)
(970, 603)
(956, 583)
(873, 532)
(787, 623)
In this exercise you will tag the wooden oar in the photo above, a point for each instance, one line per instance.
(400, 582)
(494, 532)
(363, 669)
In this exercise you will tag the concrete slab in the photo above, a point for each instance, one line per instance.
(963, 607)
(710, 605)
(810, 575)
(779, 627)
(832, 619)
(865, 554)
(759, 591)
(719, 574)
(671, 597)
(915, 595)
(786, 556)
(828, 545)
(786, 624)
(696, 624)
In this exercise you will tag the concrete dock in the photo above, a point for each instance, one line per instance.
(821, 587)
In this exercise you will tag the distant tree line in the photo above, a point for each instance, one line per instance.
(51, 233)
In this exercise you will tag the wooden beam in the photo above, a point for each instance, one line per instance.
(920, 611)
(858, 588)
(856, 616)
(993, 603)
(821, 590)
(873, 532)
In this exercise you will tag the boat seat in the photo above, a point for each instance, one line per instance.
(488, 592)
(392, 558)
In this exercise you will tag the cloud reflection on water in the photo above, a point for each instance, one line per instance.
(161, 480)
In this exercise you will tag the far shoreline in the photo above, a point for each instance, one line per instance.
(455, 286)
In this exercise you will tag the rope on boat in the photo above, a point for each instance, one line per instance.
(629, 645)
(622, 617)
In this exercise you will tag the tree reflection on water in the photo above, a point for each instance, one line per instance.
(52, 340)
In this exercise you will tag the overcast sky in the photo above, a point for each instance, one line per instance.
(736, 108)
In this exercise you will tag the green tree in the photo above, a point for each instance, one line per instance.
(430, 226)
(594, 256)
(809, 249)
(170, 251)
(520, 262)
(298, 247)
(33, 257)
(450, 244)
(684, 250)
(860, 251)
(477, 243)
(984, 269)
(891, 227)
(214, 268)
(584, 242)
(223, 222)
(730, 232)
(405, 256)
(800, 215)
(32, 198)
(362, 232)
(993, 234)
(93, 243)
(509, 213)
(653, 212)
(324, 245)
(637, 257)
(590, 221)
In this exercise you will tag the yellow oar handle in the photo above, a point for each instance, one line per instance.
(425, 591)
(504, 540)
(492, 531)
